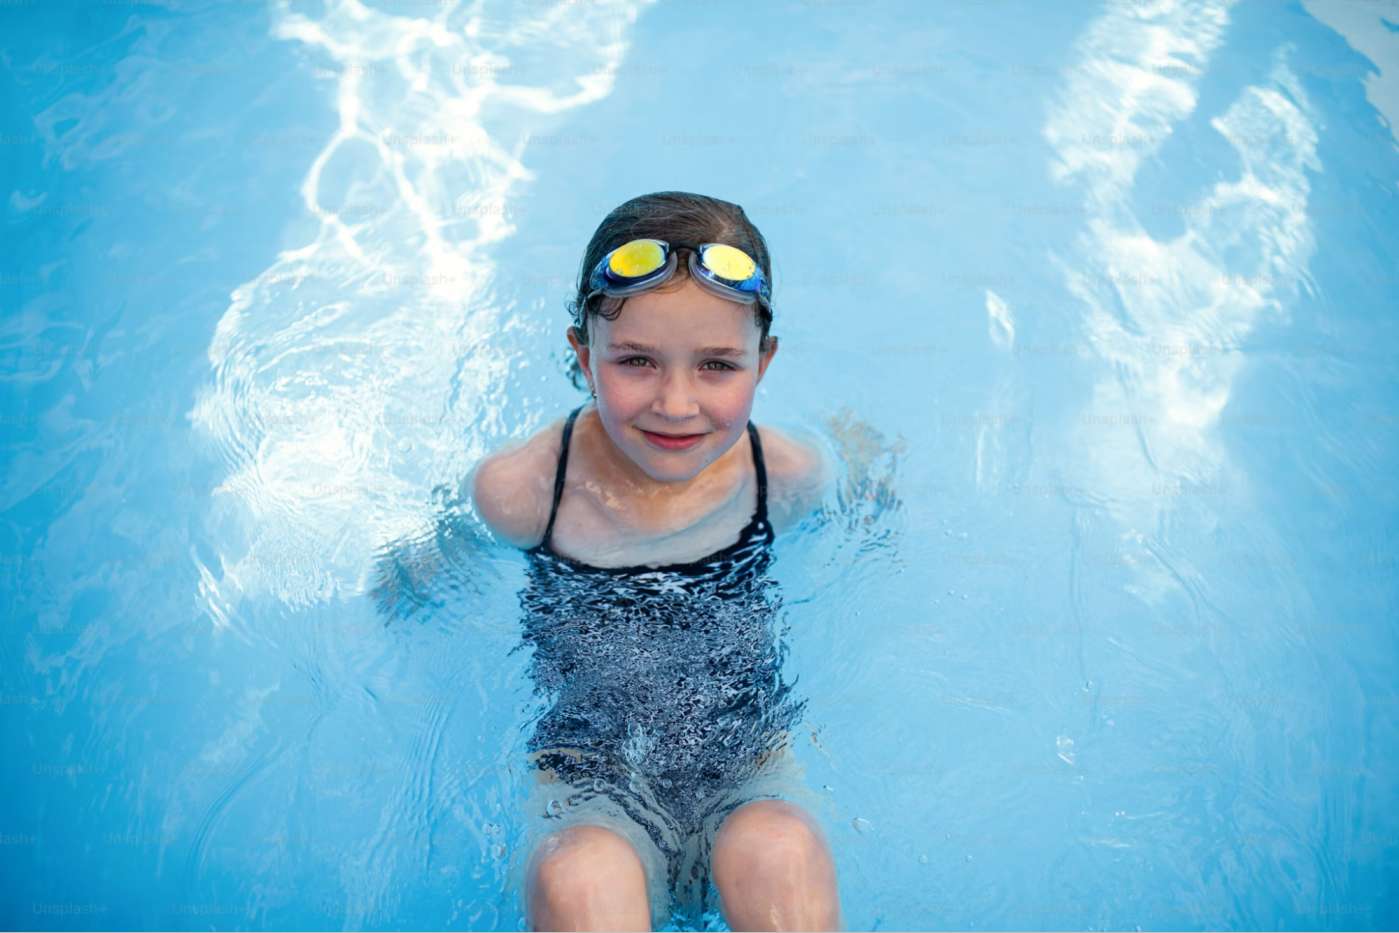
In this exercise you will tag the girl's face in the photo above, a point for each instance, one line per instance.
(679, 360)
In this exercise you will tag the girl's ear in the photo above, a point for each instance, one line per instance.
(766, 356)
(579, 347)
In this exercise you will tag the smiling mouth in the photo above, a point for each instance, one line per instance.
(674, 437)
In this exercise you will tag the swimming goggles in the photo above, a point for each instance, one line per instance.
(642, 264)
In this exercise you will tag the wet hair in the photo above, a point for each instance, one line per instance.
(677, 217)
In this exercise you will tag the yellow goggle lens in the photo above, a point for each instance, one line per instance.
(637, 258)
(729, 262)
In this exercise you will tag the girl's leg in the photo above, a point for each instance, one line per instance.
(774, 870)
(587, 877)
(591, 865)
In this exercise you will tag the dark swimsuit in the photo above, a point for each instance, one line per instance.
(665, 680)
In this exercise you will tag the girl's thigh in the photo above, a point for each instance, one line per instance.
(554, 805)
(679, 875)
(779, 776)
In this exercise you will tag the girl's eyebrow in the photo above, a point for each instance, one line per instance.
(703, 351)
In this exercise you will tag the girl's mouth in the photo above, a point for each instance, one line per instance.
(672, 442)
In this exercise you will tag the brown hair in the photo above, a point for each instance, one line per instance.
(676, 217)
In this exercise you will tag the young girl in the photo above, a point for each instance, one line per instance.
(647, 516)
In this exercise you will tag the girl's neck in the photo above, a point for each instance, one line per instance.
(627, 487)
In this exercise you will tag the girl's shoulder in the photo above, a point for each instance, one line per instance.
(513, 488)
(800, 472)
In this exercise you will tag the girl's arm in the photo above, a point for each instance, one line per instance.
(508, 492)
(505, 500)
(801, 474)
(513, 488)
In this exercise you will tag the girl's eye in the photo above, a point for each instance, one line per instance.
(723, 367)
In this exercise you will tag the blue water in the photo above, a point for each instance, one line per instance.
(1096, 303)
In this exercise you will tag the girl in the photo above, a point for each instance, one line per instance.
(647, 515)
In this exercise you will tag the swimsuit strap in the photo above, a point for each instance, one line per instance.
(559, 474)
(759, 515)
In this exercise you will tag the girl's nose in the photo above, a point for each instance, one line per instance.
(677, 398)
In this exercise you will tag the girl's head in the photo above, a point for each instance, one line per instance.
(654, 359)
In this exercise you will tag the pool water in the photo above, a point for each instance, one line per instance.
(1095, 303)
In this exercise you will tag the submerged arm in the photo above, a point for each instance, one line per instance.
(425, 570)
(849, 456)
(869, 462)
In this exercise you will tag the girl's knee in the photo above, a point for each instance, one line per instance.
(765, 836)
(577, 863)
(774, 870)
